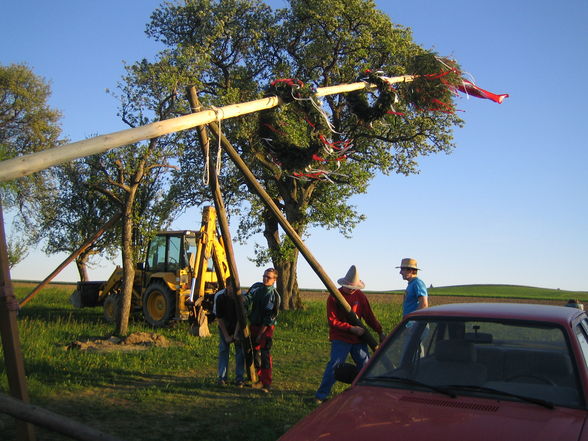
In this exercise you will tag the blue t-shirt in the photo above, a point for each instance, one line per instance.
(415, 289)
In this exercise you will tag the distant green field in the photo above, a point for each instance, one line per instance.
(503, 291)
(488, 291)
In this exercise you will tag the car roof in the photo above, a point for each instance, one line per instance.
(520, 311)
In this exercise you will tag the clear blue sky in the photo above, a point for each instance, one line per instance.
(507, 206)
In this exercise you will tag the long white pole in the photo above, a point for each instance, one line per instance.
(31, 163)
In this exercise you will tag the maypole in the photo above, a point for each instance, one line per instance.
(34, 162)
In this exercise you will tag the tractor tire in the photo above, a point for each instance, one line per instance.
(159, 305)
(111, 307)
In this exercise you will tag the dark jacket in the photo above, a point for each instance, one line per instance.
(262, 304)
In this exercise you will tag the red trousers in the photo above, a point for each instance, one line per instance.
(262, 357)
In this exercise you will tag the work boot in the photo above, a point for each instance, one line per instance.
(257, 385)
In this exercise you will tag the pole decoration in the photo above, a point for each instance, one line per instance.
(437, 80)
(294, 132)
(297, 134)
(433, 85)
(383, 103)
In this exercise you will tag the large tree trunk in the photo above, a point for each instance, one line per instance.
(128, 260)
(288, 283)
(82, 265)
(285, 263)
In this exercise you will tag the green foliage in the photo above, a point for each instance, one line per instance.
(231, 50)
(72, 214)
(27, 125)
(17, 251)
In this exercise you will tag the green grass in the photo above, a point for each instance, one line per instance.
(165, 393)
(171, 393)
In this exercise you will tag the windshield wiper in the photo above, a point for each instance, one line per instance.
(539, 401)
(404, 380)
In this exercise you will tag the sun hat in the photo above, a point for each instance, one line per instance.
(408, 263)
(351, 279)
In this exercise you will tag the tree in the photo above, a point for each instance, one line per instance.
(232, 49)
(17, 251)
(72, 213)
(134, 178)
(27, 124)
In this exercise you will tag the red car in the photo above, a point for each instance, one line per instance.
(495, 372)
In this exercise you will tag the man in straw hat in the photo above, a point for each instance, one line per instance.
(346, 338)
(415, 296)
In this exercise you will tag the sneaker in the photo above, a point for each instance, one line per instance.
(266, 389)
(240, 384)
(221, 382)
(319, 401)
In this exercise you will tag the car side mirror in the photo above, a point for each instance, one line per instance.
(346, 372)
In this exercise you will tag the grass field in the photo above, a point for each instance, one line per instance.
(171, 393)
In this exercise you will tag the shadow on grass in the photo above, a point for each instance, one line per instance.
(156, 407)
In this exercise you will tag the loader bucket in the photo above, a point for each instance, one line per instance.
(86, 294)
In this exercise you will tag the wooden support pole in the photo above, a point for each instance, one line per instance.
(352, 317)
(235, 285)
(27, 164)
(13, 359)
(50, 420)
(111, 222)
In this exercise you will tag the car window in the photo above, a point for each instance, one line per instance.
(516, 357)
(581, 335)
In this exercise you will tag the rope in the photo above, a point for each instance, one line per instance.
(205, 172)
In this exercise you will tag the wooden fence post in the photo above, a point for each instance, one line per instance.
(17, 381)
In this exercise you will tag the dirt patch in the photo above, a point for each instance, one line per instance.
(134, 342)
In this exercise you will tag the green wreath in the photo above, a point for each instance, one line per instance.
(362, 109)
(292, 131)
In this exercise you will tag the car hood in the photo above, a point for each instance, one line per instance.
(378, 414)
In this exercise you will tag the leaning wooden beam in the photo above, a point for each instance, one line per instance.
(34, 162)
(111, 222)
(292, 234)
(219, 204)
(50, 420)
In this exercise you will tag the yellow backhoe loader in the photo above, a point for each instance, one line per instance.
(177, 280)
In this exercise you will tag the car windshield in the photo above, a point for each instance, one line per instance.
(504, 360)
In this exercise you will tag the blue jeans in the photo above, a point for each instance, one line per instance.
(339, 352)
(223, 359)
